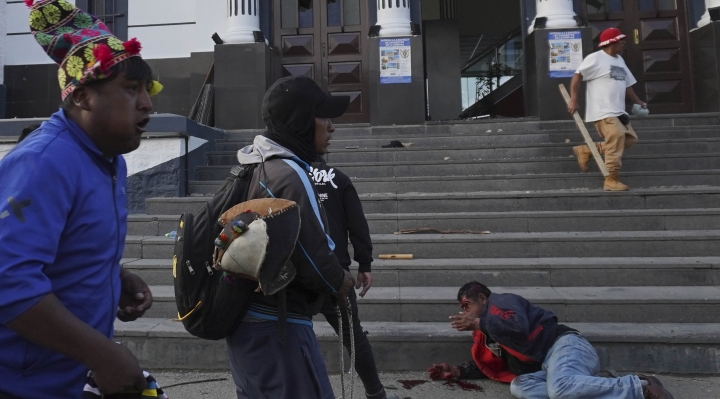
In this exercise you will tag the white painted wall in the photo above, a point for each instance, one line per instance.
(211, 17)
(192, 23)
(170, 41)
(176, 41)
(153, 12)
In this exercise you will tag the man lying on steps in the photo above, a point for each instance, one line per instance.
(518, 342)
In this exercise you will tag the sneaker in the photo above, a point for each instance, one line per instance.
(583, 154)
(654, 388)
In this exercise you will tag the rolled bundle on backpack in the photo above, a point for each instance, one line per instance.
(257, 240)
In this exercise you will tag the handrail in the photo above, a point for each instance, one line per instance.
(501, 42)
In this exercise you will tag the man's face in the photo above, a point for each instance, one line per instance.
(323, 134)
(473, 307)
(119, 112)
(617, 47)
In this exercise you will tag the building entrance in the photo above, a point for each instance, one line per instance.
(656, 51)
(327, 41)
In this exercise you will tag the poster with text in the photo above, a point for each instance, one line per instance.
(566, 53)
(395, 66)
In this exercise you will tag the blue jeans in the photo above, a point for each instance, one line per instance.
(568, 372)
(262, 368)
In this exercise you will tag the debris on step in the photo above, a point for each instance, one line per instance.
(394, 144)
(430, 230)
(396, 256)
(352, 147)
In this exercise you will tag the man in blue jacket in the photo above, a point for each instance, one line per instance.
(529, 336)
(63, 218)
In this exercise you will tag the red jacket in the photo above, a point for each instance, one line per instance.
(488, 362)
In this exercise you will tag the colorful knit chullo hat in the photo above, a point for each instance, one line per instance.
(81, 44)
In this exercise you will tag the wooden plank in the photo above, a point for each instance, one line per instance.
(581, 125)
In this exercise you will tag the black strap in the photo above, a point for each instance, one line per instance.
(282, 317)
(4, 395)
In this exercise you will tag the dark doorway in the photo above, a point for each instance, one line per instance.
(657, 49)
(327, 41)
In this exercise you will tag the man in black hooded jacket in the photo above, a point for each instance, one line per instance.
(346, 218)
(295, 111)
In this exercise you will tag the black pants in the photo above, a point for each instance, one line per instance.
(364, 359)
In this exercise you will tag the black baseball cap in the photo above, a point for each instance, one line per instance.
(294, 96)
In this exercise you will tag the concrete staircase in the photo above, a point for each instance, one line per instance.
(637, 272)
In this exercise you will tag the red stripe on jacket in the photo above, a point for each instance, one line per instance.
(490, 364)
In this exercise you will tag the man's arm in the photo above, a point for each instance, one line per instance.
(509, 321)
(50, 325)
(135, 297)
(317, 266)
(574, 89)
(630, 93)
(359, 233)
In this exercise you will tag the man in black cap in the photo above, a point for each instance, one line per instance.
(295, 111)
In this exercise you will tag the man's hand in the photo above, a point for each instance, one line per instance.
(363, 280)
(135, 298)
(572, 106)
(117, 370)
(443, 371)
(345, 288)
(642, 104)
(465, 322)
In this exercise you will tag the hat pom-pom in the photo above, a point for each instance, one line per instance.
(132, 46)
(103, 54)
(29, 3)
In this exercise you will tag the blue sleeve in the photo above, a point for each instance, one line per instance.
(508, 318)
(36, 195)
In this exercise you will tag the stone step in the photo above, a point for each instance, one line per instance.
(341, 143)
(503, 222)
(675, 243)
(528, 124)
(505, 201)
(533, 182)
(471, 149)
(658, 304)
(161, 344)
(151, 225)
(667, 162)
(510, 272)
(501, 182)
(549, 221)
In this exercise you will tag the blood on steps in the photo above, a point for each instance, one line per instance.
(465, 386)
(410, 384)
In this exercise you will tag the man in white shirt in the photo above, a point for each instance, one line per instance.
(609, 81)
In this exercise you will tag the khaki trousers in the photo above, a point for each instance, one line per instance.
(618, 138)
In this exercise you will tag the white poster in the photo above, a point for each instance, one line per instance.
(566, 53)
(395, 66)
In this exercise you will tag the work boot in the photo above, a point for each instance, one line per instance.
(654, 388)
(612, 183)
(583, 154)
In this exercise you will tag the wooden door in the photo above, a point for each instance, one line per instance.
(656, 51)
(327, 41)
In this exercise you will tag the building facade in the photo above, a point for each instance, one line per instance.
(424, 59)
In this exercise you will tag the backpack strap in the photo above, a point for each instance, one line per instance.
(282, 316)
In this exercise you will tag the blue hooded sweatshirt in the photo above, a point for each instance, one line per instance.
(63, 220)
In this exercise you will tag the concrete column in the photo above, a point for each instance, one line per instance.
(3, 38)
(559, 14)
(705, 19)
(393, 16)
(242, 21)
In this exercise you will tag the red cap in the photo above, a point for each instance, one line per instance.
(610, 35)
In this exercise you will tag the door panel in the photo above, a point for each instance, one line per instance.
(656, 48)
(325, 40)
